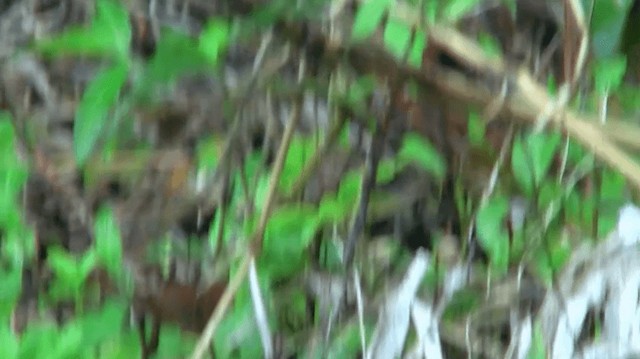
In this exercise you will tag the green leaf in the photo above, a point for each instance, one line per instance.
(608, 73)
(108, 242)
(9, 347)
(289, 232)
(462, 303)
(368, 18)
(165, 67)
(387, 170)
(548, 262)
(104, 324)
(301, 150)
(396, 37)
(612, 186)
(64, 266)
(417, 149)
(87, 264)
(239, 323)
(542, 148)
(476, 129)
(92, 111)
(332, 210)
(606, 24)
(531, 158)
(350, 186)
(38, 340)
(108, 35)
(550, 197)
(68, 342)
(489, 45)
(214, 39)
(347, 343)
(417, 48)
(208, 153)
(456, 9)
(360, 90)
(11, 284)
(492, 235)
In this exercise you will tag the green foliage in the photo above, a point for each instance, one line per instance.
(368, 18)
(108, 244)
(531, 158)
(101, 94)
(70, 272)
(288, 233)
(608, 74)
(214, 40)
(301, 150)
(492, 235)
(456, 9)
(95, 334)
(476, 129)
(606, 25)
(417, 48)
(397, 36)
(109, 35)
(418, 150)
(164, 67)
(239, 324)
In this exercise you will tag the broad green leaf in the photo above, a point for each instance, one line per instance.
(38, 340)
(550, 260)
(173, 343)
(69, 341)
(612, 186)
(332, 210)
(239, 323)
(368, 18)
(537, 350)
(542, 148)
(104, 324)
(461, 304)
(289, 232)
(520, 166)
(108, 35)
(214, 39)
(431, 11)
(360, 90)
(476, 129)
(108, 242)
(489, 45)
(397, 35)
(7, 142)
(550, 197)
(10, 344)
(350, 186)
(347, 343)
(606, 26)
(417, 48)
(301, 150)
(64, 266)
(492, 234)
(456, 9)
(166, 65)
(608, 74)
(11, 283)
(386, 171)
(93, 109)
(208, 153)
(417, 149)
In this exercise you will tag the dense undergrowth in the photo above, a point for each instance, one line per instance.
(321, 179)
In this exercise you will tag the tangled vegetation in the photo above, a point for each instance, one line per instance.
(319, 178)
